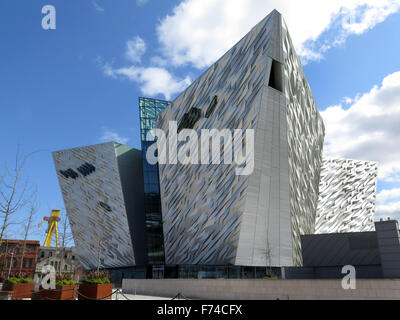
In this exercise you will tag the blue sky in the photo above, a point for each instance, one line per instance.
(79, 84)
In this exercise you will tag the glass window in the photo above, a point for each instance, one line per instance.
(234, 272)
(261, 272)
(248, 272)
(149, 110)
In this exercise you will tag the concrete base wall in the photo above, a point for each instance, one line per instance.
(264, 289)
(363, 272)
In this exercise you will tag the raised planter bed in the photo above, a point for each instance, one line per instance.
(60, 293)
(19, 290)
(95, 291)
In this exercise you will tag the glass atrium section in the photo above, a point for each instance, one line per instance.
(149, 110)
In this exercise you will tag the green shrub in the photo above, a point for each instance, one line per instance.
(64, 279)
(65, 282)
(15, 280)
(97, 277)
(270, 278)
(96, 281)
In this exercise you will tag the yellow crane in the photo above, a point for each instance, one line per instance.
(52, 228)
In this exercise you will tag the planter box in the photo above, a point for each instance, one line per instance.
(20, 290)
(60, 293)
(95, 291)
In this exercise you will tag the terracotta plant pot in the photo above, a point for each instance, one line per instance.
(60, 293)
(95, 291)
(20, 290)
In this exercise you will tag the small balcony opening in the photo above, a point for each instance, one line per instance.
(275, 77)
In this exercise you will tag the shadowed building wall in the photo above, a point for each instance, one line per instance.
(102, 187)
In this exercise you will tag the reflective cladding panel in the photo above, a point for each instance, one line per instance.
(213, 216)
(347, 196)
(95, 205)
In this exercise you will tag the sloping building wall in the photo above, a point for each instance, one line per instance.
(93, 194)
(210, 214)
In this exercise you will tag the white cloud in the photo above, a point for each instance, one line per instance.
(390, 210)
(159, 81)
(141, 2)
(97, 6)
(388, 204)
(387, 195)
(200, 31)
(348, 100)
(158, 61)
(369, 129)
(112, 136)
(135, 49)
(152, 80)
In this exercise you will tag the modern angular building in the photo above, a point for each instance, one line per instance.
(347, 196)
(103, 195)
(211, 215)
(205, 220)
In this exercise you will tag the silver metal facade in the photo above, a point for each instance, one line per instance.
(95, 205)
(347, 196)
(212, 216)
(306, 132)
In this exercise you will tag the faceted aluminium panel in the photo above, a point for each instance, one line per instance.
(92, 188)
(211, 216)
(347, 196)
(306, 132)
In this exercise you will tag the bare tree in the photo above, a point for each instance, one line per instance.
(102, 241)
(33, 208)
(267, 252)
(269, 259)
(100, 249)
(15, 193)
(3, 260)
(66, 238)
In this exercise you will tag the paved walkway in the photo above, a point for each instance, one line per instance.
(119, 296)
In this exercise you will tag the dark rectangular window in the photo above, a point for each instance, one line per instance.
(189, 119)
(275, 77)
(212, 107)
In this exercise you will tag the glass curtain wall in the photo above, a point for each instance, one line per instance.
(149, 110)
